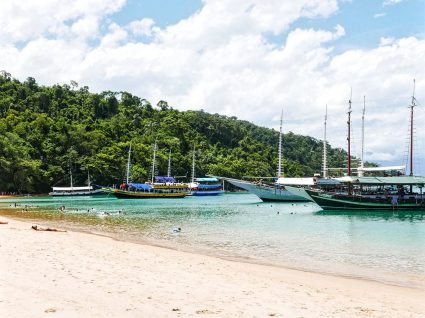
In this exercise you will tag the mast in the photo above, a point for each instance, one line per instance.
(411, 127)
(349, 134)
(169, 164)
(362, 155)
(193, 165)
(88, 178)
(279, 163)
(127, 179)
(70, 174)
(325, 164)
(153, 162)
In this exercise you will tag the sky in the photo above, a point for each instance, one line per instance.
(243, 58)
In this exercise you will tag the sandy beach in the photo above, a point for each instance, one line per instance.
(75, 274)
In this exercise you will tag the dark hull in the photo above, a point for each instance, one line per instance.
(147, 195)
(345, 202)
(286, 200)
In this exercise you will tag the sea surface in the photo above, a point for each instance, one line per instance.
(383, 246)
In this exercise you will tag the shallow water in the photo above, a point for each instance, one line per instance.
(383, 246)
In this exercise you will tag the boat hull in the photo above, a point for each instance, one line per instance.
(206, 193)
(72, 194)
(345, 202)
(120, 194)
(268, 194)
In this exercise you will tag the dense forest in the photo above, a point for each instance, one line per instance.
(46, 131)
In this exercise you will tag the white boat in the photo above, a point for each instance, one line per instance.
(275, 191)
(75, 191)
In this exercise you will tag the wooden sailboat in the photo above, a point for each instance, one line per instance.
(158, 187)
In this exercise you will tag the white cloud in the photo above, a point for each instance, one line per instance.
(379, 15)
(391, 2)
(219, 59)
(22, 21)
(144, 27)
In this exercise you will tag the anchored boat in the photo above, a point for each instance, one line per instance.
(75, 191)
(159, 187)
(204, 186)
(274, 191)
(367, 193)
(162, 187)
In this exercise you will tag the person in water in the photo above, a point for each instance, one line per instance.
(35, 227)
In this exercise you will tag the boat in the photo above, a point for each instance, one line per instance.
(75, 191)
(204, 186)
(275, 189)
(162, 187)
(274, 192)
(400, 192)
(158, 187)
(367, 193)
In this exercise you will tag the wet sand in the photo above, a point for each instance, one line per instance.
(74, 274)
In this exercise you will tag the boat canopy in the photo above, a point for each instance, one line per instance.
(390, 168)
(140, 186)
(401, 180)
(160, 179)
(295, 181)
(58, 189)
(327, 182)
(206, 179)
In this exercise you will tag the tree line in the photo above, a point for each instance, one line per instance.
(46, 131)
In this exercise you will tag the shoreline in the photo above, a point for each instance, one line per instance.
(81, 228)
(77, 273)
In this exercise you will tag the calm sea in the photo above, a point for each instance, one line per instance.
(383, 246)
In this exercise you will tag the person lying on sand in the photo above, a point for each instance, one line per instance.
(35, 227)
(3, 222)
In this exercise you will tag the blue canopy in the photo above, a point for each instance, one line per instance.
(139, 186)
(164, 179)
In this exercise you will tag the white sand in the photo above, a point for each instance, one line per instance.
(49, 274)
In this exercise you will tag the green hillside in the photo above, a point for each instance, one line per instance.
(45, 130)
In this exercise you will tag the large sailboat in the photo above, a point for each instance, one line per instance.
(158, 187)
(400, 192)
(206, 186)
(275, 191)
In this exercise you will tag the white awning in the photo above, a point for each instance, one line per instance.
(295, 181)
(72, 189)
(390, 168)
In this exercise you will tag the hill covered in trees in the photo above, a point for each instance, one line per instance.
(46, 130)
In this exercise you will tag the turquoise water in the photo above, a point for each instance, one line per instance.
(383, 246)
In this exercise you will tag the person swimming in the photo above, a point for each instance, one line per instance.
(177, 230)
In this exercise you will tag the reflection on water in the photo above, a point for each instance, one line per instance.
(387, 246)
(385, 215)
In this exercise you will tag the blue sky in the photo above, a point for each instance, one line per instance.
(365, 22)
(164, 12)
